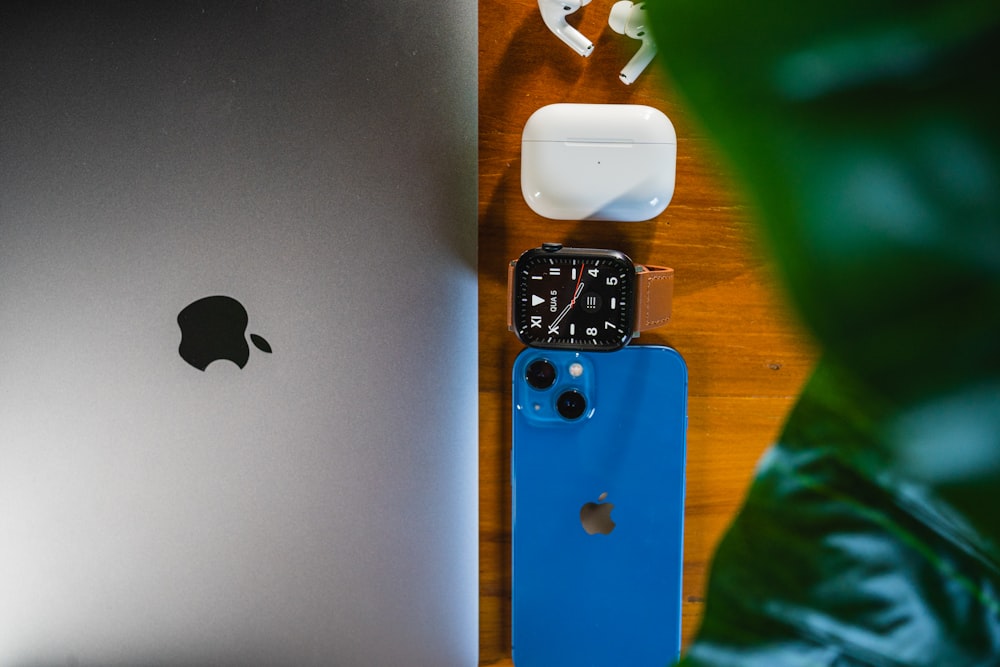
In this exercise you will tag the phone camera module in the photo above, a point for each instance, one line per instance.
(571, 405)
(540, 374)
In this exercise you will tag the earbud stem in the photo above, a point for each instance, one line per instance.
(639, 62)
(554, 15)
(575, 39)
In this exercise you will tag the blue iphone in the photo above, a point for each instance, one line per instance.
(598, 451)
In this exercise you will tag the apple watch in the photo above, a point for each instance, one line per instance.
(584, 298)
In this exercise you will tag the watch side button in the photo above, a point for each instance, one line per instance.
(552, 247)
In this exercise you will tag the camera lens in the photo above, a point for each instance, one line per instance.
(540, 374)
(571, 404)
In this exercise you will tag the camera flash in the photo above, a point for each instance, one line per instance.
(576, 369)
(537, 407)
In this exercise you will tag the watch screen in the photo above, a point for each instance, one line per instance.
(563, 300)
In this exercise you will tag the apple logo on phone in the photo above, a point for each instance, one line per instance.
(596, 517)
(214, 328)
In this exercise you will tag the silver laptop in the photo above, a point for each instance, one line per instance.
(238, 417)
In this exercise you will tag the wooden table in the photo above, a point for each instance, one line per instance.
(747, 359)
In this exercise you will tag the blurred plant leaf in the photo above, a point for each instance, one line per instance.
(833, 560)
(867, 136)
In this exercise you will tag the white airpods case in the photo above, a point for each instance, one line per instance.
(598, 162)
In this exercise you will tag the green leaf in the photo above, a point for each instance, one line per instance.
(867, 136)
(834, 560)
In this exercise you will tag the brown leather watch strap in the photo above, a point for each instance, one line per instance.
(655, 292)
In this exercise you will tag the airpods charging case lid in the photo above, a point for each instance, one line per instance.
(598, 162)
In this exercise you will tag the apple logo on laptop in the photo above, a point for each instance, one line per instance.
(214, 328)
(596, 517)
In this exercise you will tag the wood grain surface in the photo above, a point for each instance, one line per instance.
(747, 359)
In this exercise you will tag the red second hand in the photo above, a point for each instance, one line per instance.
(576, 289)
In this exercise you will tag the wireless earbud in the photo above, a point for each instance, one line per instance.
(554, 13)
(630, 19)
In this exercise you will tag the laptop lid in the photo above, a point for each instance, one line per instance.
(238, 393)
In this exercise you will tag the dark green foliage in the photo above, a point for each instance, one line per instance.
(867, 136)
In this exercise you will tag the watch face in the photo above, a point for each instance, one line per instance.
(574, 300)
